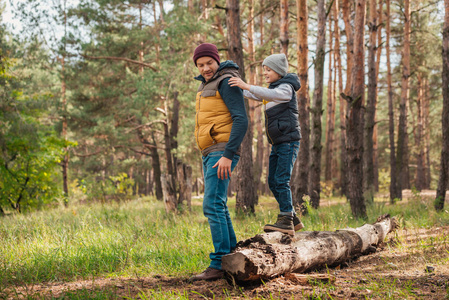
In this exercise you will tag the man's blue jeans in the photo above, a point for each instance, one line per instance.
(215, 208)
(282, 159)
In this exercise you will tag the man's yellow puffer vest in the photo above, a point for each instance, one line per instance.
(213, 120)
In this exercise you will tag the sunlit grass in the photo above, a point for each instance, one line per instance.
(137, 238)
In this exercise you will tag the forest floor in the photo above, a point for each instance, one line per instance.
(410, 264)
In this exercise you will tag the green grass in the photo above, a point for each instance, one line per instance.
(137, 238)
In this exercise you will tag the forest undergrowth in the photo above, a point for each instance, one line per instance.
(134, 250)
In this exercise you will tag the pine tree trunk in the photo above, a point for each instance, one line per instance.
(302, 174)
(342, 111)
(156, 164)
(184, 175)
(420, 180)
(345, 6)
(65, 159)
(375, 133)
(284, 26)
(370, 111)
(268, 255)
(346, 9)
(246, 197)
(169, 192)
(317, 106)
(255, 107)
(395, 192)
(402, 147)
(427, 133)
(355, 117)
(444, 168)
(329, 141)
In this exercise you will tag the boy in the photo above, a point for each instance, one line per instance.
(283, 132)
(220, 125)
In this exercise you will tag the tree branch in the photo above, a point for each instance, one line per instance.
(121, 58)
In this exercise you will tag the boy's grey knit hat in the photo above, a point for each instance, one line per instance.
(277, 63)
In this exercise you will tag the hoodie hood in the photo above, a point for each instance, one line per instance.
(290, 78)
(229, 64)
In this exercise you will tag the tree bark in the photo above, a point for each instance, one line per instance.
(375, 133)
(246, 197)
(156, 164)
(302, 54)
(174, 128)
(184, 174)
(420, 179)
(65, 159)
(345, 6)
(395, 192)
(255, 107)
(169, 192)
(427, 132)
(272, 254)
(284, 27)
(355, 117)
(317, 109)
(402, 143)
(444, 168)
(346, 9)
(370, 111)
(330, 110)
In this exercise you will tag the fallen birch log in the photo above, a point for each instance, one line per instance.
(272, 254)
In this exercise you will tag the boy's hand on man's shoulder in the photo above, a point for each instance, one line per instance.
(235, 81)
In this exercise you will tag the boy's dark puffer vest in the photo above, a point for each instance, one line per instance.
(281, 121)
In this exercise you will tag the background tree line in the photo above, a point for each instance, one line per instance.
(97, 98)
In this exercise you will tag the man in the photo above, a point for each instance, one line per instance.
(220, 125)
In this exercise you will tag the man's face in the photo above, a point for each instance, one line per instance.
(207, 66)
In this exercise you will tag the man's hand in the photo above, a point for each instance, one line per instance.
(224, 168)
(235, 81)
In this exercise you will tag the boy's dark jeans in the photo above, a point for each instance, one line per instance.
(215, 208)
(282, 159)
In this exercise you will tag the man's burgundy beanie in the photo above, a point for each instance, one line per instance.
(206, 49)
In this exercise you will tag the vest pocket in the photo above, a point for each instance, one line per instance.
(206, 139)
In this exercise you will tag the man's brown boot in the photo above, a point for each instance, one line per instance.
(208, 274)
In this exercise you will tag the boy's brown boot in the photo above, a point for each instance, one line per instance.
(297, 223)
(283, 224)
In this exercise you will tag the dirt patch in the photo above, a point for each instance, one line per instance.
(412, 264)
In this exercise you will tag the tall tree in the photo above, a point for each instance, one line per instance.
(317, 108)
(342, 102)
(420, 179)
(444, 168)
(402, 154)
(395, 191)
(303, 104)
(355, 117)
(330, 116)
(368, 142)
(246, 197)
(345, 7)
(284, 26)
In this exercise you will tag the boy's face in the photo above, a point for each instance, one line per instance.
(270, 75)
(207, 66)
